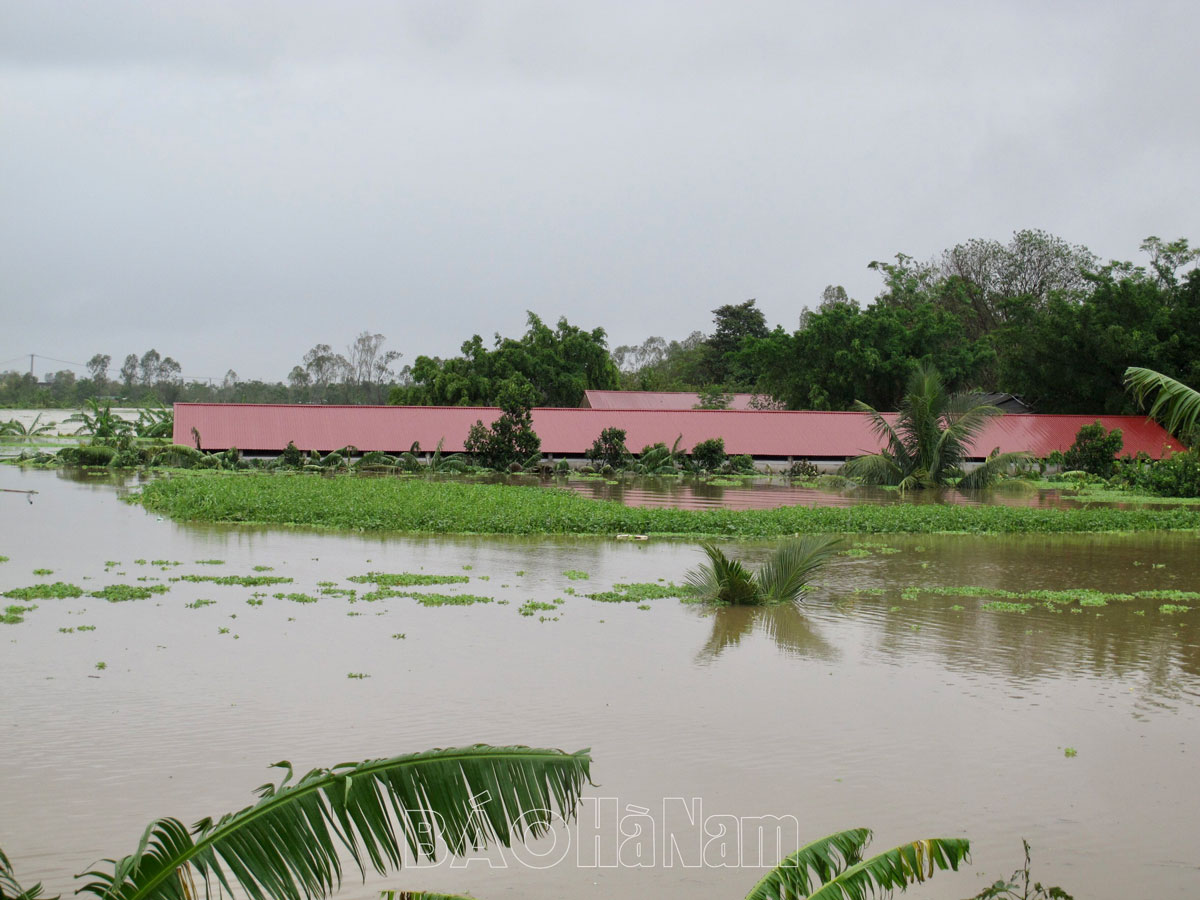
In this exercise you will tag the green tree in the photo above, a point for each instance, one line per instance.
(510, 440)
(609, 448)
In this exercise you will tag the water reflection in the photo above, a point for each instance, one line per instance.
(784, 623)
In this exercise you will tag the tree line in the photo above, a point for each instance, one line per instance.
(1034, 316)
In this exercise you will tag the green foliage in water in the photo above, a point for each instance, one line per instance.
(406, 579)
(56, 591)
(14, 614)
(119, 593)
(639, 592)
(296, 597)
(781, 579)
(240, 580)
(459, 507)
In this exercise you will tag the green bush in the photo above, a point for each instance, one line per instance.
(742, 464)
(1094, 451)
(1178, 476)
(95, 455)
(609, 448)
(709, 455)
(177, 456)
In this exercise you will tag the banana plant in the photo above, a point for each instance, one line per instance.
(832, 868)
(1176, 404)
(289, 845)
(18, 430)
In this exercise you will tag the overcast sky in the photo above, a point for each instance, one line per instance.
(233, 182)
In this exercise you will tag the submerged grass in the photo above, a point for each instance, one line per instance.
(457, 507)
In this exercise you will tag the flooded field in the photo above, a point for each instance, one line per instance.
(882, 702)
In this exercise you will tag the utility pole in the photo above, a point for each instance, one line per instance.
(31, 366)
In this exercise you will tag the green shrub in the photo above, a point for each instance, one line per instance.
(609, 448)
(1094, 451)
(742, 463)
(802, 468)
(95, 455)
(177, 456)
(709, 455)
(1177, 476)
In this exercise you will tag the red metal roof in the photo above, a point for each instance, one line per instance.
(655, 400)
(817, 435)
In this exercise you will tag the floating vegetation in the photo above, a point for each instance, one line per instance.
(15, 615)
(330, 589)
(406, 579)
(58, 590)
(399, 636)
(1170, 609)
(222, 630)
(519, 572)
(3, 559)
(414, 505)
(640, 592)
(1007, 606)
(446, 599)
(264, 568)
(240, 580)
(357, 675)
(119, 593)
(1078, 598)
(210, 562)
(530, 607)
(101, 666)
(1070, 752)
(254, 601)
(199, 604)
(855, 552)
(576, 575)
(297, 598)
(43, 571)
(85, 627)
(165, 562)
(643, 606)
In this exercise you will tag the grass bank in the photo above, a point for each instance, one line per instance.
(410, 505)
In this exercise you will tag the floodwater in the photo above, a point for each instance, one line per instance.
(769, 493)
(916, 716)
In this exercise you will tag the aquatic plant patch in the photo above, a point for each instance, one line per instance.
(297, 598)
(1010, 601)
(239, 580)
(639, 592)
(461, 507)
(119, 593)
(58, 590)
(14, 614)
(406, 579)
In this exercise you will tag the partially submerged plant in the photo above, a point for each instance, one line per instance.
(781, 579)
(932, 437)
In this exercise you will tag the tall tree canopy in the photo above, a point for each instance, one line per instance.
(558, 363)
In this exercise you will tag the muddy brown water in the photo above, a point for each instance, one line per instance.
(863, 708)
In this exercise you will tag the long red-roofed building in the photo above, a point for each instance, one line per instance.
(765, 435)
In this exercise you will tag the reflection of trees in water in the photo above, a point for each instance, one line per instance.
(1103, 642)
(784, 623)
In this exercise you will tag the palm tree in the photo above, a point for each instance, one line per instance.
(833, 868)
(781, 580)
(931, 439)
(1177, 404)
(286, 846)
